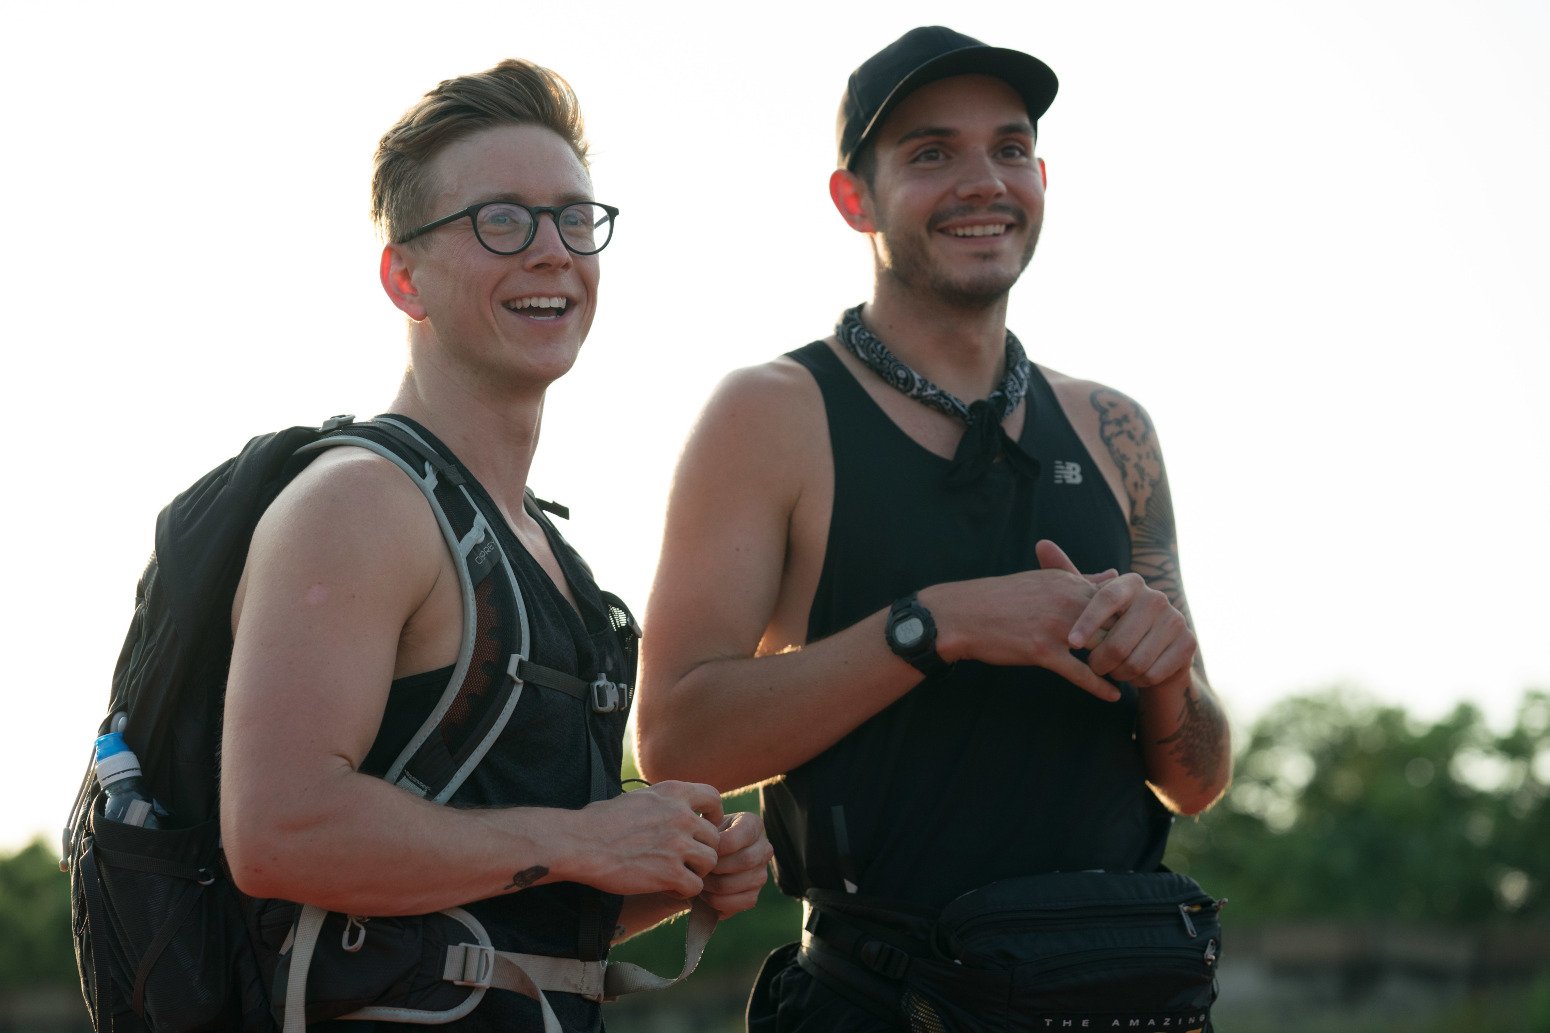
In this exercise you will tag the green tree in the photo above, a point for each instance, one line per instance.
(35, 947)
(1346, 809)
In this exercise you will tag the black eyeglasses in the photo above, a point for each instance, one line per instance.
(506, 227)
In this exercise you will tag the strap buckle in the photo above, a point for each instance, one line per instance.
(470, 964)
(885, 959)
(609, 697)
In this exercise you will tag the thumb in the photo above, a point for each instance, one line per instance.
(1052, 557)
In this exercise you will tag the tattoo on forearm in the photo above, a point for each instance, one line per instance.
(1197, 742)
(526, 877)
(1128, 435)
(619, 931)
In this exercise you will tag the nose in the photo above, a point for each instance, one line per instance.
(981, 180)
(547, 249)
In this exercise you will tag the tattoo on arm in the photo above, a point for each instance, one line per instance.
(619, 932)
(1127, 433)
(1197, 742)
(526, 877)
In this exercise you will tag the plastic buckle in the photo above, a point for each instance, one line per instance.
(477, 968)
(605, 696)
(885, 959)
(335, 422)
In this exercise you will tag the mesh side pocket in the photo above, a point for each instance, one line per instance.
(174, 927)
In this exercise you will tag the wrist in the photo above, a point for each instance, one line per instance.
(950, 645)
(911, 634)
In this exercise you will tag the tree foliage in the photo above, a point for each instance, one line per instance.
(35, 948)
(1347, 810)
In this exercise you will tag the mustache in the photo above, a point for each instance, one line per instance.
(1017, 215)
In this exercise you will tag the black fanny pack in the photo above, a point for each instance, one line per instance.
(1068, 950)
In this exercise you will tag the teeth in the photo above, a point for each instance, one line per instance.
(522, 303)
(978, 231)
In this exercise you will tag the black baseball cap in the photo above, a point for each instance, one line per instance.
(923, 56)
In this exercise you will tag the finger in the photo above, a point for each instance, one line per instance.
(1082, 676)
(738, 832)
(701, 798)
(1053, 557)
(1100, 578)
(1112, 650)
(752, 857)
(1108, 602)
(1176, 659)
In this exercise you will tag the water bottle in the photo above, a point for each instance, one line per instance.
(118, 771)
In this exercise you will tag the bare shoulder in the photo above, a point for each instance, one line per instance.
(351, 515)
(767, 417)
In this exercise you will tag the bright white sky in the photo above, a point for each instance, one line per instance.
(1309, 235)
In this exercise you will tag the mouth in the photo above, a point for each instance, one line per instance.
(543, 307)
(997, 229)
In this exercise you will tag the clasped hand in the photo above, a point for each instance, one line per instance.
(1038, 617)
(673, 838)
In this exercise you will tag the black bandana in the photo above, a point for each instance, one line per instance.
(984, 440)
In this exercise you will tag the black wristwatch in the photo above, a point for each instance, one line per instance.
(911, 634)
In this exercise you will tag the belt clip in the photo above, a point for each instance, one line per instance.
(885, 959)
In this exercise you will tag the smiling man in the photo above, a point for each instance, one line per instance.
(350, 614)
(926, 588)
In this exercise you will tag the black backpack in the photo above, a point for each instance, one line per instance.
(164, 940)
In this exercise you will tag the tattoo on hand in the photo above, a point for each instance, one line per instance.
(526, 877)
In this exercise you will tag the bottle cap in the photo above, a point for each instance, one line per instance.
(115, 760)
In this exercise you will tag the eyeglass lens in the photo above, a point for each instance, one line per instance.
(508, 228)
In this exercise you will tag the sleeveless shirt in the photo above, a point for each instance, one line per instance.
(979, 773)
(540, 759)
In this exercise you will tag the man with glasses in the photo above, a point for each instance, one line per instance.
(350, 612)
(924, 591)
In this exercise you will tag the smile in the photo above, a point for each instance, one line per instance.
(978, 231)
(538, 307)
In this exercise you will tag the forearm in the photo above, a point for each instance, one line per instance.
(735, 721)
(356, 844)
(1186, 742)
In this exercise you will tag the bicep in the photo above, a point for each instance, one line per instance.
(326, 596)
(726, 536)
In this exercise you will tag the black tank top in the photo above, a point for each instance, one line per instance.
(980, 773)
(541, 759)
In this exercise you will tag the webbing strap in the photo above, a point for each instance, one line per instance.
(308, 925)
(470, 964)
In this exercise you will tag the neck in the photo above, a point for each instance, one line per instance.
(493, 432)
(962, 350)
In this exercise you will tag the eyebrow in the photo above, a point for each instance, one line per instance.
(942, 132)
(511, 198)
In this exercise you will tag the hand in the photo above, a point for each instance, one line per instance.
(662, 839)
(1134, 632)
(740, 872)
(1021, 619)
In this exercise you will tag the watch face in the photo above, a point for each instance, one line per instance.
(908, 631)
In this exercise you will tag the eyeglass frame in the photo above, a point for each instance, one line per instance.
(472, 213)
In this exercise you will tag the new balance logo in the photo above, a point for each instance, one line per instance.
(1067, 473)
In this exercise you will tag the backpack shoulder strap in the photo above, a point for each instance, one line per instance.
(484, 687)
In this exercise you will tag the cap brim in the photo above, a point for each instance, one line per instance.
(1034, 81)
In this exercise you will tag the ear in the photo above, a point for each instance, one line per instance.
(397, 273)
(1043, 175)
(848, 191)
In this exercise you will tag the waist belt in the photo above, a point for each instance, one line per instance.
(866, 962)
(480, 967)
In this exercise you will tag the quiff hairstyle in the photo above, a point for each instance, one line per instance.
(512, 93)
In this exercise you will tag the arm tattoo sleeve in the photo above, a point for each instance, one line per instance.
(1127, 434)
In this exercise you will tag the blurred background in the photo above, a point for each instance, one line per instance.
(1309, 237)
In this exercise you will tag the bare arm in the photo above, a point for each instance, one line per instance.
(332, 608)
(1184, 732)
(729, 695)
